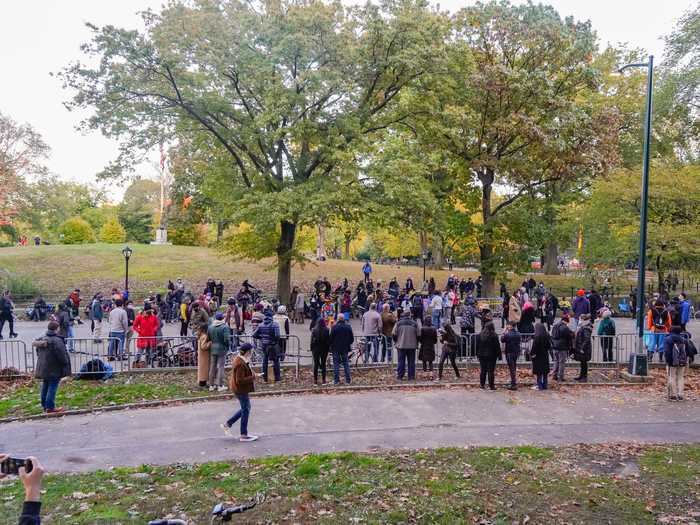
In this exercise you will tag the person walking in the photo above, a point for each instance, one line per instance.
(388, 322)
(6, 315)
(539, 353)
(428, 340)
(340, 341)
(562, 344)
(488, 350)
(220, 336)
(118, 322)
(406, 335)
(450, 343)
(676, 355)
(320, 346)
(583, 347)
(242, 382)
(606, 333)
(371, 330)
(268, 334)
(511, 340)
(52, 364)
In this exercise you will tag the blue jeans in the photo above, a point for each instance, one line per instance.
(49, 387)
(373, 342)
(340, 357)
(387, 343)
(243, 414)
(270, 353)
(542, 381)
(116, 344)
(70, 335)
(406, 355)
(436, 319)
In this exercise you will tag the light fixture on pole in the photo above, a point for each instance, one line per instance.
(126, 252)
(639, 363)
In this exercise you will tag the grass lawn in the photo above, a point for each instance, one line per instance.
(584, 484)
(56, 270)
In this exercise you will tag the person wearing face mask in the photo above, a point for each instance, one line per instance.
(242, 382)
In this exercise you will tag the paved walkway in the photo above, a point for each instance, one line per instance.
(355, 422)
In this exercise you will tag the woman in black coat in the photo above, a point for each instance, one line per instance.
(488, 350)
(320, 345)
(428, 340)
(450, 343)
(52, 364)
(541, 346)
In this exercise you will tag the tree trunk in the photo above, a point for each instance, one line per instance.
(423, 240)
(488, 276)
(551, 266)
(219, 230)
(284, 260)
(347, 240)
(438, 256)
(321, 243)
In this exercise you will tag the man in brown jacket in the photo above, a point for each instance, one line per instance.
(242, 384)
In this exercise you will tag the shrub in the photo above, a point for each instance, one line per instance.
(20, 285)
(76, 231)
(112, 232)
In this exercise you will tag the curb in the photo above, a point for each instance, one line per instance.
(291, 391)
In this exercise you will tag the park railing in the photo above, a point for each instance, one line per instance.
(16, 359)
(84, 350)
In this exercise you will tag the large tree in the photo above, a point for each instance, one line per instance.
(283, 88)
(510, 87)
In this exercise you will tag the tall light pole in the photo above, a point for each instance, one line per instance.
(645, 202)
(425, 259)
(126, 252)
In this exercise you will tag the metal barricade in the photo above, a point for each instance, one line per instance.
(626, 345)
(290, 346)
(372, 351)
(84, 350)
(16, 359)
(159, 352)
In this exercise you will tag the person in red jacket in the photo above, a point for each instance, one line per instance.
(146, 327)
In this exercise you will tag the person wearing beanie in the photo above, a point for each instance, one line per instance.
(606, 333)
(658, 326)
(220, 336)
(52, 364)
(267, 335)
(282, 320)
(242, 382)
(583, 347)
(562, 340)
(580, 306)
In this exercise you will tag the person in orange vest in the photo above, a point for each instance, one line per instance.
(658, 327)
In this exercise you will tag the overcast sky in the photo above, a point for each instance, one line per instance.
(42, 36)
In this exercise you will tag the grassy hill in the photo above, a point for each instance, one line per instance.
(54, 270)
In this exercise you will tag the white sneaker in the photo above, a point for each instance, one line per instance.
(247, 438)
(223, 388)
(534, 387)
(212, 388)
(226, 429)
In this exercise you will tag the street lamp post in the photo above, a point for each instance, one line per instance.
(425, 260)
(126, 252)
(644, 204)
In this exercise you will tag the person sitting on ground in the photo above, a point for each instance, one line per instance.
(31, 509)
(242, 382)
(53, 364)
(40, 309)
(512, 340)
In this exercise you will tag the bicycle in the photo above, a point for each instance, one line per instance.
(220, 513)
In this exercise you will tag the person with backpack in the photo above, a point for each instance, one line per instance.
(268, 334)
(583, 347)
(242, 382)
(676, 356)
(539, 353)
(562, 344)
(606, 332)
(658, 326)
(512, 341)
(488, 350)
(52, 364)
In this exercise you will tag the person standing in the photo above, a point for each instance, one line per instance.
(606, 333)
(367, 271)
(436, 309)
(596, 303)
(371, 330)
(118, 327)
(220, 337)
(146, 327)
(583, 347)
(184, 316)
(96, 316)
(268, 335)
(388, 322)
(450, 343)
(428, 340)
(658, 326)
(685, 310)
(514, 308)
(541, 347)
(562, 344)
(511, 340)
(283, 322)
(488, 350)
(6, 315)
(406, 335)
(676, 356)
(242, 383)
(340, 342)
(52, 364)
(580, 306)
(551, 305)
(320, 346)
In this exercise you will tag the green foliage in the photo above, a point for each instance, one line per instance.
(76, 231)
(187, 235)
(19, 285)
(138, 208)
(98, 216)
(8, 235)
(112, 232)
